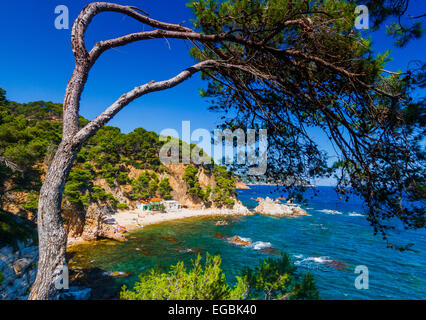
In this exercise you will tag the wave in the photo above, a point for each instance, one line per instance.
(355, 214)
(328, 211)
(259, 245)
(309, 260)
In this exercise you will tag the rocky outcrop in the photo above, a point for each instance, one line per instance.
(175, 173)
(240, 241)
(95, 226)
(271, 207)
(241, 185)
(18, 268)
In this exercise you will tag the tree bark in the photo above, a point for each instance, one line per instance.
(51, 232)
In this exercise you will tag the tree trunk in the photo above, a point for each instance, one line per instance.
(51, 232)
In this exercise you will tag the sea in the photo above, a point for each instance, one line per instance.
(335, 243)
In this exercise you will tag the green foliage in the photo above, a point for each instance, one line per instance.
(99, 194)
(271, 279)
(1, 278)
(2, 95)
(122, 206)
(193, 183)
(32, 202)
(301, 65)
(14, 229)
(145, 186)
(224, 191)
(79, 189)
(206, 282)
(123, 178)
(164, 189)
(277, 279)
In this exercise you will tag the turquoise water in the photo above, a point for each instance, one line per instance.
(329, 243)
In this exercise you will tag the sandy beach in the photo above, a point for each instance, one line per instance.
(129, 220)
(134, 219)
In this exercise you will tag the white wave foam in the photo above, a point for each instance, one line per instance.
(259, 245)
(355, 214)
(317, 260)
(328, 211)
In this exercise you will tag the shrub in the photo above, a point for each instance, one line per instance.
(122, 205)
(271, 279)
(32, 202)
(276, 279)
(200, 283)
(164, 189)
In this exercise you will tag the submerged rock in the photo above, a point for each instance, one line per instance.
(271, 207)
(222, 223)
(240, 241)
(118, 274)
(18, 268)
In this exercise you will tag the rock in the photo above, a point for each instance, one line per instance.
(21, 265)
(118, 274)
(241, 185)
(17, 270)
(238, 241)
(271, 207)
(336, 264)
(241, 209)
(222, 223)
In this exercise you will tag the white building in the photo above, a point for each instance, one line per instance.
(172, 205)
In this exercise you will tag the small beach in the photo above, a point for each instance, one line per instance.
(130, 220)
(134, 219)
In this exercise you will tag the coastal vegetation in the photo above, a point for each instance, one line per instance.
(271, 279)
(285, 66)
(30, 133)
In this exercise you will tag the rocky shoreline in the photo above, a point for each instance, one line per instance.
(120, 222)
(18, 269)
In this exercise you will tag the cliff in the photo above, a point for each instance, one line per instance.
(112, 171)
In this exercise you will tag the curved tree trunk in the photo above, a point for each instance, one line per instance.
(51, 232)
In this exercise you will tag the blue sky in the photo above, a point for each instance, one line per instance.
(36, 62)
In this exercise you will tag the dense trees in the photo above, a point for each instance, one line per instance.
(318, 72)
(31, 132)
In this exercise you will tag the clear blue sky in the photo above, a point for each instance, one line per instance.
(36, 62)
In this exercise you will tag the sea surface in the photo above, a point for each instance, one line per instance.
(330, 243)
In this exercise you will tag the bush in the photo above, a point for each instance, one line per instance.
(278, 279)
(164, 189)
(199, 283)
(271, 279)
(122, 205)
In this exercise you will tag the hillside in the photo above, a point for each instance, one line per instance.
(111, 172)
